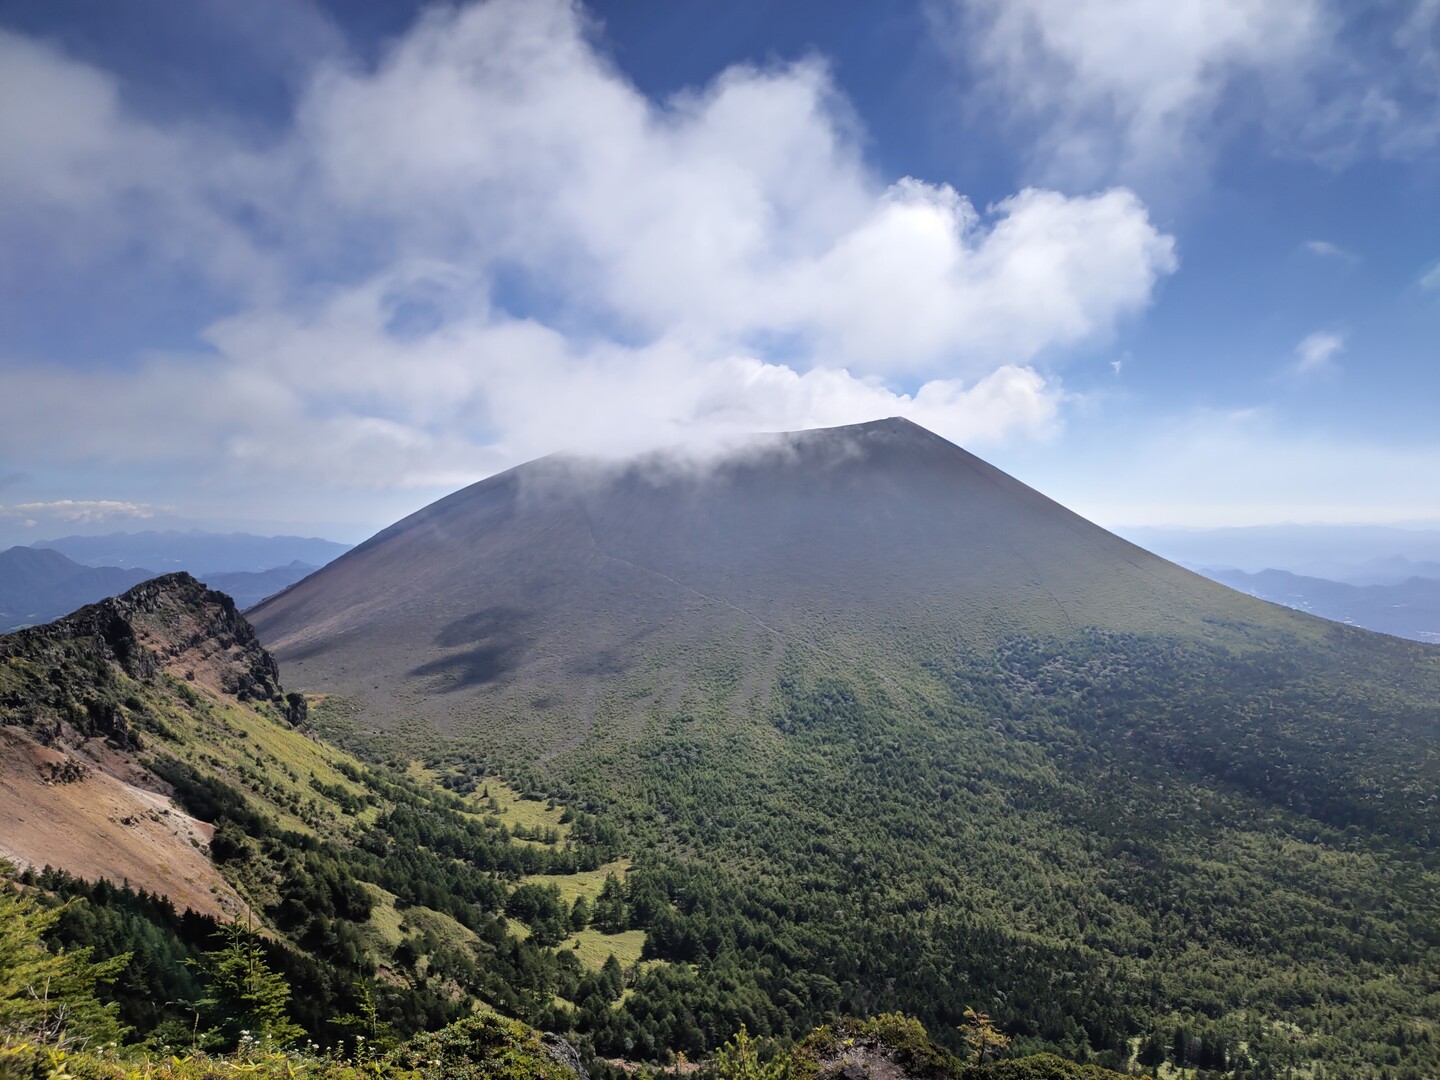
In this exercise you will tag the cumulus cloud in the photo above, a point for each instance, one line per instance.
(1146, 92)
(490, 245)
(1316, 353)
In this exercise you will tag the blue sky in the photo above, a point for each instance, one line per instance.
(280, 265)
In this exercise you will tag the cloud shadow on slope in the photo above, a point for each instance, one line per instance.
(490, 645)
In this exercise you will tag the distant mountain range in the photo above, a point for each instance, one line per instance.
(197, 552)
(55, 577)
(1410, 609)
(37, 585)
(1351, 554)
(249, 587)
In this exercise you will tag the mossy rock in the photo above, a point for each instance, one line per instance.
(483, 1048)
(895, 1045)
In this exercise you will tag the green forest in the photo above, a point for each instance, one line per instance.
(1121, 861)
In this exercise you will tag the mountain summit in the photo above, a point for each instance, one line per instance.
(548, 576)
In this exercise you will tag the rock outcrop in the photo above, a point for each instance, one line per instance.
(62, 680)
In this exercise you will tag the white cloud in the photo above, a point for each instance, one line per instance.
(1127, 87)
(1316, 353)
(491, 245)
(78, 511)
(82, 179)
(736, 213)
(1147, 92)
(1430, 280)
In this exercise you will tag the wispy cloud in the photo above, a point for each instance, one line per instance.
(1146, 93)
(1430, 280)
(1238, 467)
(1316, 353)
(78, 511)
(1326, 250)
(1126, 90)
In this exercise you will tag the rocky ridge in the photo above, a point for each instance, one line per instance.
(88, 701)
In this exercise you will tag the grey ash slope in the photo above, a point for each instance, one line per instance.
(537, 586)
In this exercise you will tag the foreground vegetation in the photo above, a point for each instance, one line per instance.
(55, 1025)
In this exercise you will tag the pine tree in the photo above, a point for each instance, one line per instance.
(982, 1035)
(45, 996)
(1152, 1050)
(613, 978)
(371, 1035)
(739, 1059)
(609, 914)
(244, 996)
(580, 914)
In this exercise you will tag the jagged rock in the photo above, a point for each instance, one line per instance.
(297, 709)
(562, 1053)
(168, 624)
(68, 771)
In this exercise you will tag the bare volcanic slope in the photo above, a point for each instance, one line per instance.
(92, 705)
(536, 586)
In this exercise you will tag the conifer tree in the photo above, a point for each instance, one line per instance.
(1152, 1050)
(613, 978)
(45, 996)
(982, 1035)
(609, 914)
(580, 914)
(739, 1059)
(244, 995)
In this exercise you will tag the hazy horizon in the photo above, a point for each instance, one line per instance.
(82, 519)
